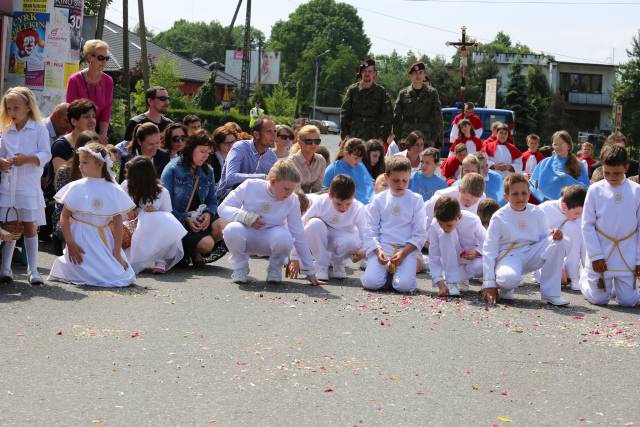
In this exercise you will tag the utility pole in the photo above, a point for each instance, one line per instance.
(125, 66)
(246, 63)
(100, 21)
(315, 86)
(142, 35)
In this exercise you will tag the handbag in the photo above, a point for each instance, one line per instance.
(129, 227)
(14, 227)
(196, 181)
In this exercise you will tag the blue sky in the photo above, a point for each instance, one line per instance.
(576, 33)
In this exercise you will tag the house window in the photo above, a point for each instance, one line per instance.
(582, 83)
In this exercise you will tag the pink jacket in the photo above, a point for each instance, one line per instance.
(101, 94)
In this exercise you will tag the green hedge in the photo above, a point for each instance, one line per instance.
(213, 119)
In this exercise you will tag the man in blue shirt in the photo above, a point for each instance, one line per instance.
(249, 159)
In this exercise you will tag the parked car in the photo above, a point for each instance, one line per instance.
(319, 124)
(332, 127)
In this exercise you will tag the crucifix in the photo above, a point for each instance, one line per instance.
(463, 47)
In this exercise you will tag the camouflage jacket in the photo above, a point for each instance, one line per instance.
(418, 110)
(366, 113)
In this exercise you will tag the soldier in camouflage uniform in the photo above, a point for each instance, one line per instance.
(418, 108)
(366, 111)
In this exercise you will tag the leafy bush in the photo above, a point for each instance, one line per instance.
(213, 119)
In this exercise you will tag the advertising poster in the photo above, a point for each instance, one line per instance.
(34, 6)
(27, 51)
(265, 67)
(71, 12)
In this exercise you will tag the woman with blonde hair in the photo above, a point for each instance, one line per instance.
(94, 84)
(309, 163)
(558, 171)
(284, 140)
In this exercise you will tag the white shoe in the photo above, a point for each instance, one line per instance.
(339, 272)
(453, 289)
(507, 294)
(274, 274)
(557, 301)
(6, 276)
(322, 273)
(35, 279)
(575, 285)
(463, 286)
(422, 263)
(240, 275)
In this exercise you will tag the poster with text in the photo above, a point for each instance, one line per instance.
(28, 35)
(71, 10)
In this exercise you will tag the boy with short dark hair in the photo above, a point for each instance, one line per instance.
(486, 209)
(532, 156)
(425, 182)
(451, 167)
(468, 193)
(565, 214)
(395, 231)
(519, 241)
(192, 123)
(455, 241)
(610, 221)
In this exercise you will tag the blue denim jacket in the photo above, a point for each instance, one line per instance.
(178, 180)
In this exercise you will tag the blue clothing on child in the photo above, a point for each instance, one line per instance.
(550, 177)
(360, 175)
(426, 185)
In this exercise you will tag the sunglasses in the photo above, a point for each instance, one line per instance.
(312, 141)
(178, 138)
(286, 137)
(102, 58)
(162, 98)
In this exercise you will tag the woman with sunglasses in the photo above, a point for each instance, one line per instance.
(94, 84)
(174, 139)
(284, 139)
(223, 138)
(310, 165)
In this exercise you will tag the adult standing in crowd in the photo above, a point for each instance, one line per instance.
(157, 100)
(174, 139)
(223, 139)
(418, 107)
(310, 165)
(249, 158)
(189, 180)
(58, 123)
(145, 142)
(467, 113)
(366, 111)
(620, 139)
(94, 84)
(192, 123)
(284, 139)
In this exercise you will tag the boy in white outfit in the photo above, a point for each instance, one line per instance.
(395, 231)
(565, 214)
(263, 218)
(334, 227)
(610, 223)
(519, 241)
(455, 243)
(469, 193)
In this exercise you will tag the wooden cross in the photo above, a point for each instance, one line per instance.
(463, 47)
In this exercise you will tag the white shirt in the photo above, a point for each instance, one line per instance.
(507, 228)
(395, 220)
(503, 155)
(162, 203)
(392, 149)
(20, 187)
(553, 213)
(322, 208)
(532, 162)
(451, 192)
(253, 195)
(616, 212)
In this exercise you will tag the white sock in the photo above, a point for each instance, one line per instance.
(31, 246)
(7, 254)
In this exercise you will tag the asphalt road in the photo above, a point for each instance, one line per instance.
(191, 348)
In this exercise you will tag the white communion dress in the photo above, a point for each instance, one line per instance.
(93, 203)
(157, 239)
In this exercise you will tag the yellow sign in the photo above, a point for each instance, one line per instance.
(34, 6)
(69, 69)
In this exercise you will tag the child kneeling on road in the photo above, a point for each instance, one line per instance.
(518, 242)
(263, 218)
(395, 231)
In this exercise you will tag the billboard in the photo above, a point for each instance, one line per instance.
(267, 63)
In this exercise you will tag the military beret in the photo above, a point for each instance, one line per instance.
(416, 66)
(368, 63)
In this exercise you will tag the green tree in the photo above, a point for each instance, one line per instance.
(502, 44)
(516, 99)
(445, 79)
(204, 40)
(310, 30)
(164, 72)
(91, 7)
(556, 118)
(280, 102)
(205, 98)
(260, 96)
(627, 93)
(392, 72)
(539, 95)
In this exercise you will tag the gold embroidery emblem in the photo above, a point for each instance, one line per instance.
(522, 225)
(96, 204)
(266, 207)
(396, 210)
(334, 219)
(618, 197)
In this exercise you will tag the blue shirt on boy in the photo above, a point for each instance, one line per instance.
(426, 185)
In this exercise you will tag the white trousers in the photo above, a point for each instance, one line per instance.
(454, 268)
(626, 295)
(329, 246)
(243, 241)
(574, 249)
(404, 279)
(546, 255)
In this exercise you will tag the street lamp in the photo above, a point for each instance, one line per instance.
(315, 87)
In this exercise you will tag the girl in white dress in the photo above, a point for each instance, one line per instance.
(24, 151)
(91, 223)
(149, 248)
